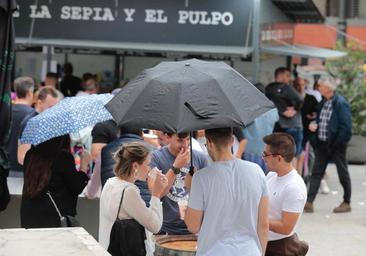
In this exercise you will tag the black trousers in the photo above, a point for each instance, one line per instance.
(323, 154)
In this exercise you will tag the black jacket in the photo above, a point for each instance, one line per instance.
(340, 123)
(66, 183)
(283, 96)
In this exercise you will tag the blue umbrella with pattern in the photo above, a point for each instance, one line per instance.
(69, 115)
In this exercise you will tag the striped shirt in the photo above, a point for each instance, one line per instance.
(325, 114)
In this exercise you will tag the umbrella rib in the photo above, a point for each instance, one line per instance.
(224, 93)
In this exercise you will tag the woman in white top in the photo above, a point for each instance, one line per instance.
(132, 163)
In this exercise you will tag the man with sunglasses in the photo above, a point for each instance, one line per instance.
(287, 196)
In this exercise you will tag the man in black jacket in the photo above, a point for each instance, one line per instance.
(288, 102)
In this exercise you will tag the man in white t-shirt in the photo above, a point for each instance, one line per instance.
(287, 196)
(228, 204)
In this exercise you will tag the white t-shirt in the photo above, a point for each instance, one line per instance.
(286, 193)
(132, 207)
(229, 193)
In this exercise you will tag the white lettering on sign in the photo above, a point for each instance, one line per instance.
(276, 34)
(155, 16)
(216, 17)
(203, 18)
(129, 13)
(40, 12)
(86, 13)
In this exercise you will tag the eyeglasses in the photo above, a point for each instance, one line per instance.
(265, 154)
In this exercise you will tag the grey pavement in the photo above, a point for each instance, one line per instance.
(341, 234)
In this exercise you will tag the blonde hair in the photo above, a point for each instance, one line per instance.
(128, 154)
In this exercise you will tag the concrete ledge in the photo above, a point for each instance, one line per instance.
(87, 210)
(50, 242)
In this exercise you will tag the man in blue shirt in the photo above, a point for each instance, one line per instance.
(174, 161)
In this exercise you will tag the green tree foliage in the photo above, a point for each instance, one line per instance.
(349, 71)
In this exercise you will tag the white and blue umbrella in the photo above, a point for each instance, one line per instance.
(69, 115)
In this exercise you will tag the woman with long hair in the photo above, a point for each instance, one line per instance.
(132, 164)
(50, 167)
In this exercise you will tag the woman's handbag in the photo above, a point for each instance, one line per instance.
(127, 236)
(67, 220)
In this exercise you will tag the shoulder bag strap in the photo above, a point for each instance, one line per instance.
(120, 202)
(54, 204)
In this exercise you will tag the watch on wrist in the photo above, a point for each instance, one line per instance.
(175, 170)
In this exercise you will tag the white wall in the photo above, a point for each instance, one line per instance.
(30, 64)
(95, 64)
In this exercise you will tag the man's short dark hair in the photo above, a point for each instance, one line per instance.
(87, 76)
(281, 144)
(220, 136)
(23, 85)
(68, 68)
(280, 70)
(133, 130)
(45, 91)
(179, 135)
(52, 75)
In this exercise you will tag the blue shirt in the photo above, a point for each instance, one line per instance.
(163, 159)
(228, 193)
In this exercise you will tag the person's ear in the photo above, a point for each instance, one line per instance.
(135, 166)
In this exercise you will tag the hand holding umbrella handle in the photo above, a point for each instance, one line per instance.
(85, 159)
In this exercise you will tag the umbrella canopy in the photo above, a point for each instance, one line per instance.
(7, 8)
(186, 96)
(69, 115)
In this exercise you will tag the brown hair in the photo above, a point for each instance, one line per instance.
(179, 135)
(45, 91)
(220, 136)
(38, 169)
(281, 144)
(128, 154)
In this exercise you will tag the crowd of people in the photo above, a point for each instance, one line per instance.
(244, 196)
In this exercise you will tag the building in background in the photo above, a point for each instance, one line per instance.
(117, 40)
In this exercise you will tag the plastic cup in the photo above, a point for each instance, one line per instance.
(182, 203)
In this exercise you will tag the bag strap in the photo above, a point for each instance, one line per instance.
(120, 202)
(54, 204)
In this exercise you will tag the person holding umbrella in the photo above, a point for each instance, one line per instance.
(46, 98)
(174, 160)
(228, 204)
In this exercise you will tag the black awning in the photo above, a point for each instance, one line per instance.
(300, 10)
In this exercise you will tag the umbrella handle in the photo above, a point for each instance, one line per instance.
(191, 168)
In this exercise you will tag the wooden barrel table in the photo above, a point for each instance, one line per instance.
(184, 245)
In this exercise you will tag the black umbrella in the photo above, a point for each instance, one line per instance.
(6, 66)
(186, 96)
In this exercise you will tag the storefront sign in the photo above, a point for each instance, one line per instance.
(277, 33)
(195, 22)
